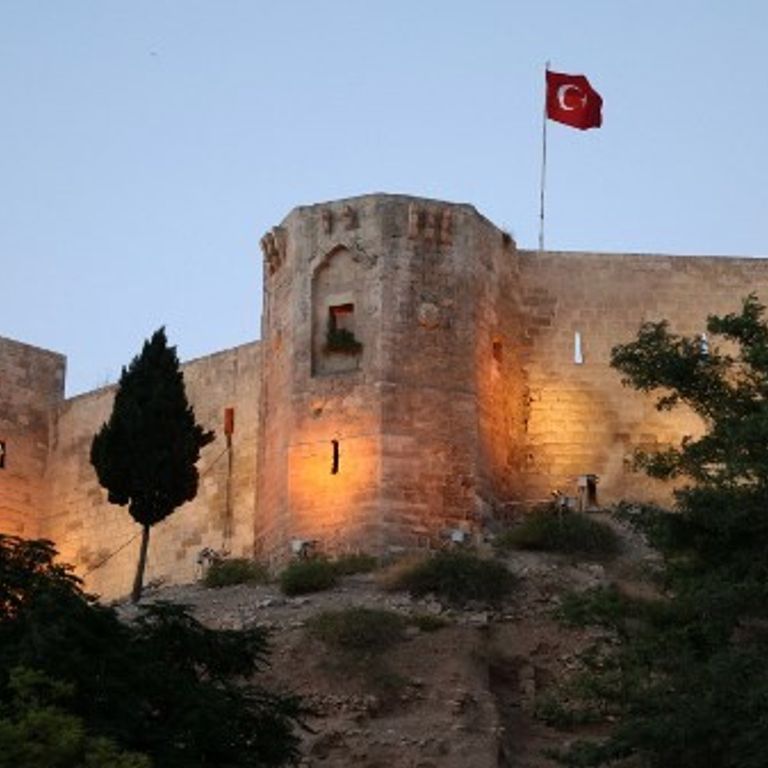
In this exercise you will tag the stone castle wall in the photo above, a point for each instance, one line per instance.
(580, 419)
(87, 529)
(31, 384)
(481, 384)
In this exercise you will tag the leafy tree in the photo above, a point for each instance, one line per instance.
(145, 455)
(36, 731)
(689, 680)
(78, 687)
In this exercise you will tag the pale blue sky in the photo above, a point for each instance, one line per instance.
(145, 145)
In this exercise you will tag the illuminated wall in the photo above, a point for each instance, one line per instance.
(417, 374)
(413, 277)
(315, 397)
(31, 385)
(580, 419)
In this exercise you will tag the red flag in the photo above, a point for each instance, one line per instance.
(573, 101)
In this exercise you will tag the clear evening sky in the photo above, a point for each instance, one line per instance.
(146, 145)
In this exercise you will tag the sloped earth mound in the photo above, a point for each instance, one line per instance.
(462, 695)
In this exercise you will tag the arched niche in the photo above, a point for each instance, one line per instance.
(337, 334)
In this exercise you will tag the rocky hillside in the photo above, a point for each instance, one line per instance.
(461, 688)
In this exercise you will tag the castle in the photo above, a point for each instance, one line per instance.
(417, 375)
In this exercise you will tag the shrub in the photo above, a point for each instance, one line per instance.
(557, 711)
(360, 637)
(238, 570)
(343, 341)
(303, 576)
(346, 565)
(427, 622)
(458, 577)
(358, 630)
(601, 606)
(390, 576)
(552, 530)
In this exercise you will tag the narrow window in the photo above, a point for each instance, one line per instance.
(498, 351)
(578, 356)
(229, 421)
(335, 457)
(591, 491)
(2, 454)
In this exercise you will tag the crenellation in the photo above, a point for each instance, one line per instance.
(273, 248)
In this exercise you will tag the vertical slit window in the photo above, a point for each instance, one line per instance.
(334, 457)
(578, 355)
(2, 454)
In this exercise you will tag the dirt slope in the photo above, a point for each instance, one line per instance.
(462, 696)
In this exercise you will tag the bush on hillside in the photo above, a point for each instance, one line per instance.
(238, 570)
(358, 630)
(304, 576)
(552, 530)
(458, 578)
(347, 565)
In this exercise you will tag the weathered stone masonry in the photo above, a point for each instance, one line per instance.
(417, 374)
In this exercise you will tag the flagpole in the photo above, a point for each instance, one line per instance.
(543, 161)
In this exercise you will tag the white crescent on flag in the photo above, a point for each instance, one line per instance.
(562, 93)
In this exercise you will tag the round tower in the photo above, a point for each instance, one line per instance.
(390, 356)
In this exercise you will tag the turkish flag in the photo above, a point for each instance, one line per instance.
(573, 101)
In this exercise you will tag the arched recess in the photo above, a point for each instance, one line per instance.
(337, 337)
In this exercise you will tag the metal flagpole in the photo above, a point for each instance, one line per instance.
(543, 161)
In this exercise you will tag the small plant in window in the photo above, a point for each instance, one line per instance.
(340, 337)
(342, 340)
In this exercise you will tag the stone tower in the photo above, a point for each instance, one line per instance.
(31, 387)
(390, 354)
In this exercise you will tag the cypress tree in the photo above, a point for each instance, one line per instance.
(145, 454)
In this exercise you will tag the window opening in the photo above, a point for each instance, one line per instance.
(341, 330)
(578, 356)
(341, 316)
(229, 421)
(2, 454)
(335, 457)
(498, 351)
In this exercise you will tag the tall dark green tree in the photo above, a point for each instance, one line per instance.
(145, 455)
(688, 682)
